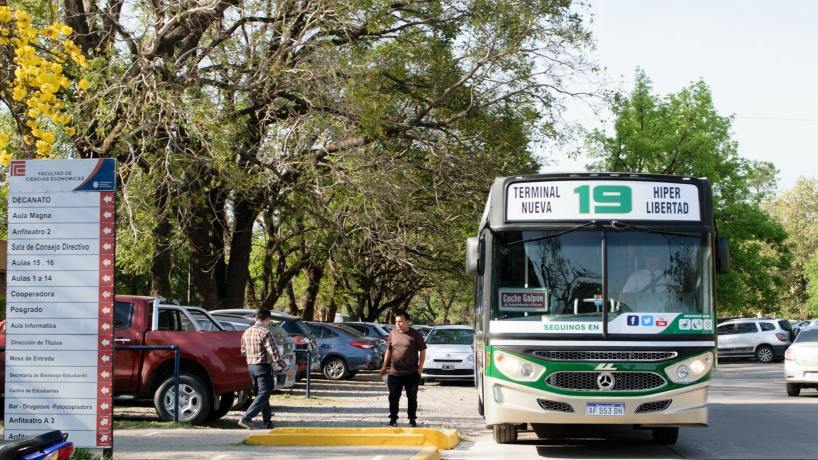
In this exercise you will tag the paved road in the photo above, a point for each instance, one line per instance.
(751, 417)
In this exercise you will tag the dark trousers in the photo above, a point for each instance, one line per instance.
(262, 375)
(396, 384)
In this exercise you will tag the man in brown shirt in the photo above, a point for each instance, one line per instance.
(406, 352)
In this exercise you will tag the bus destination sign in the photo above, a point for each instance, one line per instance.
(601, 199)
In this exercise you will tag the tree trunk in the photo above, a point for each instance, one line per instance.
(315, 272)
(161, 261)
(293, 303)
(206, 249)
(238, 268)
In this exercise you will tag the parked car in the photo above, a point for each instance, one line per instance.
(233, 322)
(423, 329)
(764, 339)
(449, 354)
(801, 362)
(373, 331)
(806, 324)
(212, 368)
(344, 351)
(302, 336)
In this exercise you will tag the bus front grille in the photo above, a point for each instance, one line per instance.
(614, 381)
(606, 356)
(655, 406)
(556, 406)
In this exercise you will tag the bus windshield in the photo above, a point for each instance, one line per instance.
(558, 275)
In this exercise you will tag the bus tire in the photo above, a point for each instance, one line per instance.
(505, 433)
(793, 389)
(667, 435)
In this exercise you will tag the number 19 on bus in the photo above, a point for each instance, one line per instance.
(614, 199)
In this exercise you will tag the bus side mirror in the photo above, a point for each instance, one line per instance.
(722, 255)
(474, 256)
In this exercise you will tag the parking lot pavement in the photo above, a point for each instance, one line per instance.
(751, 416)
(360, 402)
(220, 444)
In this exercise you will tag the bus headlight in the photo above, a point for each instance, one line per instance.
(691, 369)
(516, 368)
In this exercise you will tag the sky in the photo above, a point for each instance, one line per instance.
(758, 58)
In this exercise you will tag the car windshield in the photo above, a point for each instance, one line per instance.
(558, 276)
(810, 335)
(450, 337)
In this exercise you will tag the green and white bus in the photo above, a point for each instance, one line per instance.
(594, 302)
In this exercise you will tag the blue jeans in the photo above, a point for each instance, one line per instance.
(397, 384)
(262, 375)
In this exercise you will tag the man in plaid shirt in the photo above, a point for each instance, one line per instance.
(259, 347)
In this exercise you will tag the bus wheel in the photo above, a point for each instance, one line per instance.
(666, 435)
(505, 433)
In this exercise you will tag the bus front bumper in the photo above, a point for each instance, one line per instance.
(507, 402)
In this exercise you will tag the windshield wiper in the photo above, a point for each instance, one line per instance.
(590, 224)
(618, 225)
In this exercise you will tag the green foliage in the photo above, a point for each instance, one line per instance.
(683, 134)
(811, 274)
(797, 211)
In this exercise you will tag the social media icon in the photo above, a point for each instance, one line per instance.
(684, 324)
(633, 320)
(647, 320)
(708, 325)
(697, 324)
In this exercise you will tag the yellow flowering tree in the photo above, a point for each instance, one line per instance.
(36, 61)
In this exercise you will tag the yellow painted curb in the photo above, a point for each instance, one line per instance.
(427, 453)
(443, 439)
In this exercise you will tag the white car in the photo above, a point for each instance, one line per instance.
(764, 339)
(801, 362)
(449, 354)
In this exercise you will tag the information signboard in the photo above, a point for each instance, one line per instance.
(60, 299)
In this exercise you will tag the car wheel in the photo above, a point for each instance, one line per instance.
(666, 435)
(504, 433)
(242, 400)
(195, 400)
(793, 389)
(765, 354)
(335, 368)
(225, 404)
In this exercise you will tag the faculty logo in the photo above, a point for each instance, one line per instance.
(647, 320)
(633, 320)
(605, 381)
(18, 168)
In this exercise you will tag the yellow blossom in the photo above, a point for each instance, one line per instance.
(70, 130)
(5, 158)
(5, 14)
(4, 140)
(83, 84)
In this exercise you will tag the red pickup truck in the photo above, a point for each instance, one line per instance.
(211, 367)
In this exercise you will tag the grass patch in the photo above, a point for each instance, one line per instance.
(87, 454)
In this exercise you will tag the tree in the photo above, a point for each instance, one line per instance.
(683, 134)
(797, 210)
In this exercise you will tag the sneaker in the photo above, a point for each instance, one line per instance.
(269, 425)
(246, 424)
(413, 423)
(393, 423)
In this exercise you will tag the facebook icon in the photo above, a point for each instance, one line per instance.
(633, 320)
(647, 320)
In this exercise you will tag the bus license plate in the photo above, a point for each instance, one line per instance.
(604, 409)
(448, 367)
